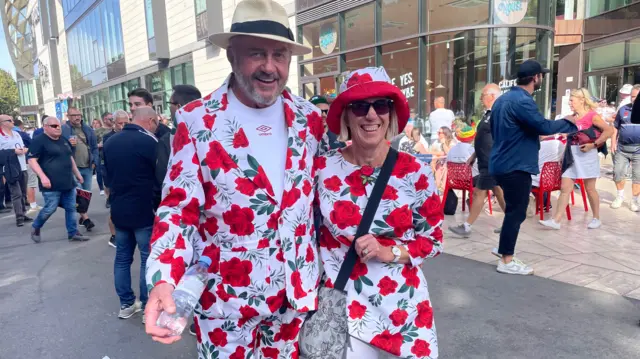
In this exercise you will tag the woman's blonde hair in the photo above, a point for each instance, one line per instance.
(392, 130)
(584, 94)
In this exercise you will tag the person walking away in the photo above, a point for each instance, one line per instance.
(181, 96)
(625, 146)
(142, 97)
(440, 117)
(32, 178)
(107, 126)
(121, 118)
(13, 148)
(482, 151)
(586, 162)
(254, 216)
(516, 125)
(51, 157)
(369, 110)
(130, 159)
(85, 154)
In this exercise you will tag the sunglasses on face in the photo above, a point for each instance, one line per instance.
(53, 126)
(361, 108)
(324, 112)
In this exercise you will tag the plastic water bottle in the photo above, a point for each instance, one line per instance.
(186, 296)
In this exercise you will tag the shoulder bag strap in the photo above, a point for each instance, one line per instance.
(369, 212)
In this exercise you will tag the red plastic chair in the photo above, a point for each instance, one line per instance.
(580, 183)
(550, 180)
(459, 177)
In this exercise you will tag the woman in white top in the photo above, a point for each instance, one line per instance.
(439, 150)
(11, 145)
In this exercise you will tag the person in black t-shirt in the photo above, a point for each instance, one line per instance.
(484, 182)
(51, 158)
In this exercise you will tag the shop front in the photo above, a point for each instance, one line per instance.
(430, 48)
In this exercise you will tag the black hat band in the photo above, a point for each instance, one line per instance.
(265, 27)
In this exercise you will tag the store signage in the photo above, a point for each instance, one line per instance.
(406, 84)
(510, 11)
(328, 38)
(506, 85)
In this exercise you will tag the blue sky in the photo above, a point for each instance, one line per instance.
(5, 59)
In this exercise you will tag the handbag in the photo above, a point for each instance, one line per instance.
(325, 332)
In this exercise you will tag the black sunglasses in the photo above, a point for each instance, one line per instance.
(361, 108)
(54, 126)
(324, 112)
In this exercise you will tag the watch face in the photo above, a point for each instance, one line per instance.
(396, 251)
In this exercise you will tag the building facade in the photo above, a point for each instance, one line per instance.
(430, 48)
(96, 51)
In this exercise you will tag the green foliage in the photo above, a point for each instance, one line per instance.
(9, 99)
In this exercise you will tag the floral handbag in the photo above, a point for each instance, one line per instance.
(325, 333)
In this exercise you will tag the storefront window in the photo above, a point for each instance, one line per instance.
(597, 7)
(399, 19)
(359, 26)
(320, 67)
(447, 14)
(605, 56)
(400, 59)
(360, 59)
(321, 36)
(634, 51)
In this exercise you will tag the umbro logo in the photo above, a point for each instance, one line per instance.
(264, 130)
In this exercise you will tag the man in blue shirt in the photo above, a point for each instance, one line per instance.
(625, 145)
(516, 125)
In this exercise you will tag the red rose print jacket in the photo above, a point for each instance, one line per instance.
(218, 202)
(388, 304)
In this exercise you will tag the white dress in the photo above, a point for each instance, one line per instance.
(585, 164)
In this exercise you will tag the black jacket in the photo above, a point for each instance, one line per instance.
(130, 158)
(10, 165)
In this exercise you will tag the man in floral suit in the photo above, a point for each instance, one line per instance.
(239, 191)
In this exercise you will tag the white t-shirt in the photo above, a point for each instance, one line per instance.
(550, 151)
(12, 141)
(267, 134)
(440, 118)
(460, 153)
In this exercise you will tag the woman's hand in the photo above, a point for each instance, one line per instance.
(369, 248)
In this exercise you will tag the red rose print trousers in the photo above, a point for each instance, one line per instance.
(272, 337)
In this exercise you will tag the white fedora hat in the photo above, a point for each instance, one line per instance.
(260, 18)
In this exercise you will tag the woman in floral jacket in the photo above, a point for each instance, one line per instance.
(388, 303)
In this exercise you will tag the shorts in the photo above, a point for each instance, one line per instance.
(32, 181)
(623, 160)
(484, 181)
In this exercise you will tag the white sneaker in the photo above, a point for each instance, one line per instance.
(531, 207)
(516, 266)
(634, 206)
(617, 203)
(102, 193)
(550, 223)
(594, 224)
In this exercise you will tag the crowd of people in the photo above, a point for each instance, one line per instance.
(301, 205)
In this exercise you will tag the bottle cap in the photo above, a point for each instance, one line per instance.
(205, 259)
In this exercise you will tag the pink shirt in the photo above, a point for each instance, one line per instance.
(586, 121)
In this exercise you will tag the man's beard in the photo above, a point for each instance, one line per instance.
(537, 85)
(245, 83)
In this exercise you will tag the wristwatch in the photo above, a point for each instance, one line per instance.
(396, 253)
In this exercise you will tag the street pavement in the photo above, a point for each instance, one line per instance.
(57, 300)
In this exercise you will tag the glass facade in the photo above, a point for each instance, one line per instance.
(161, 83)
(27, 93)
(597, 7)
(434, 53)
(95, 46)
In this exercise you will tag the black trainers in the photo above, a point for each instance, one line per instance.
(78, 238)
(27, 219)
(19, 222)
(192, 329)
(35, 235)
(88, 224)
(112, 241)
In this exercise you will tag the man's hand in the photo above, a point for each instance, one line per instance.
(73, 141)
(45, 182)
(160, 300)
(20, 151)
(80, 179)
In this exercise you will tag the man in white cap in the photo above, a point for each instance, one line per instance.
(239, 190)
(625, 95)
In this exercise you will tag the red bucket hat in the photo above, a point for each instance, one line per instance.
(363, 84)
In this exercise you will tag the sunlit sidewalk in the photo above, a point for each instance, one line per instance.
(606, 259)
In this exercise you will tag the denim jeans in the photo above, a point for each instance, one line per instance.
(516, 187)
(99, 177)
(126, 240)
(87, 176)
(67, 200)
